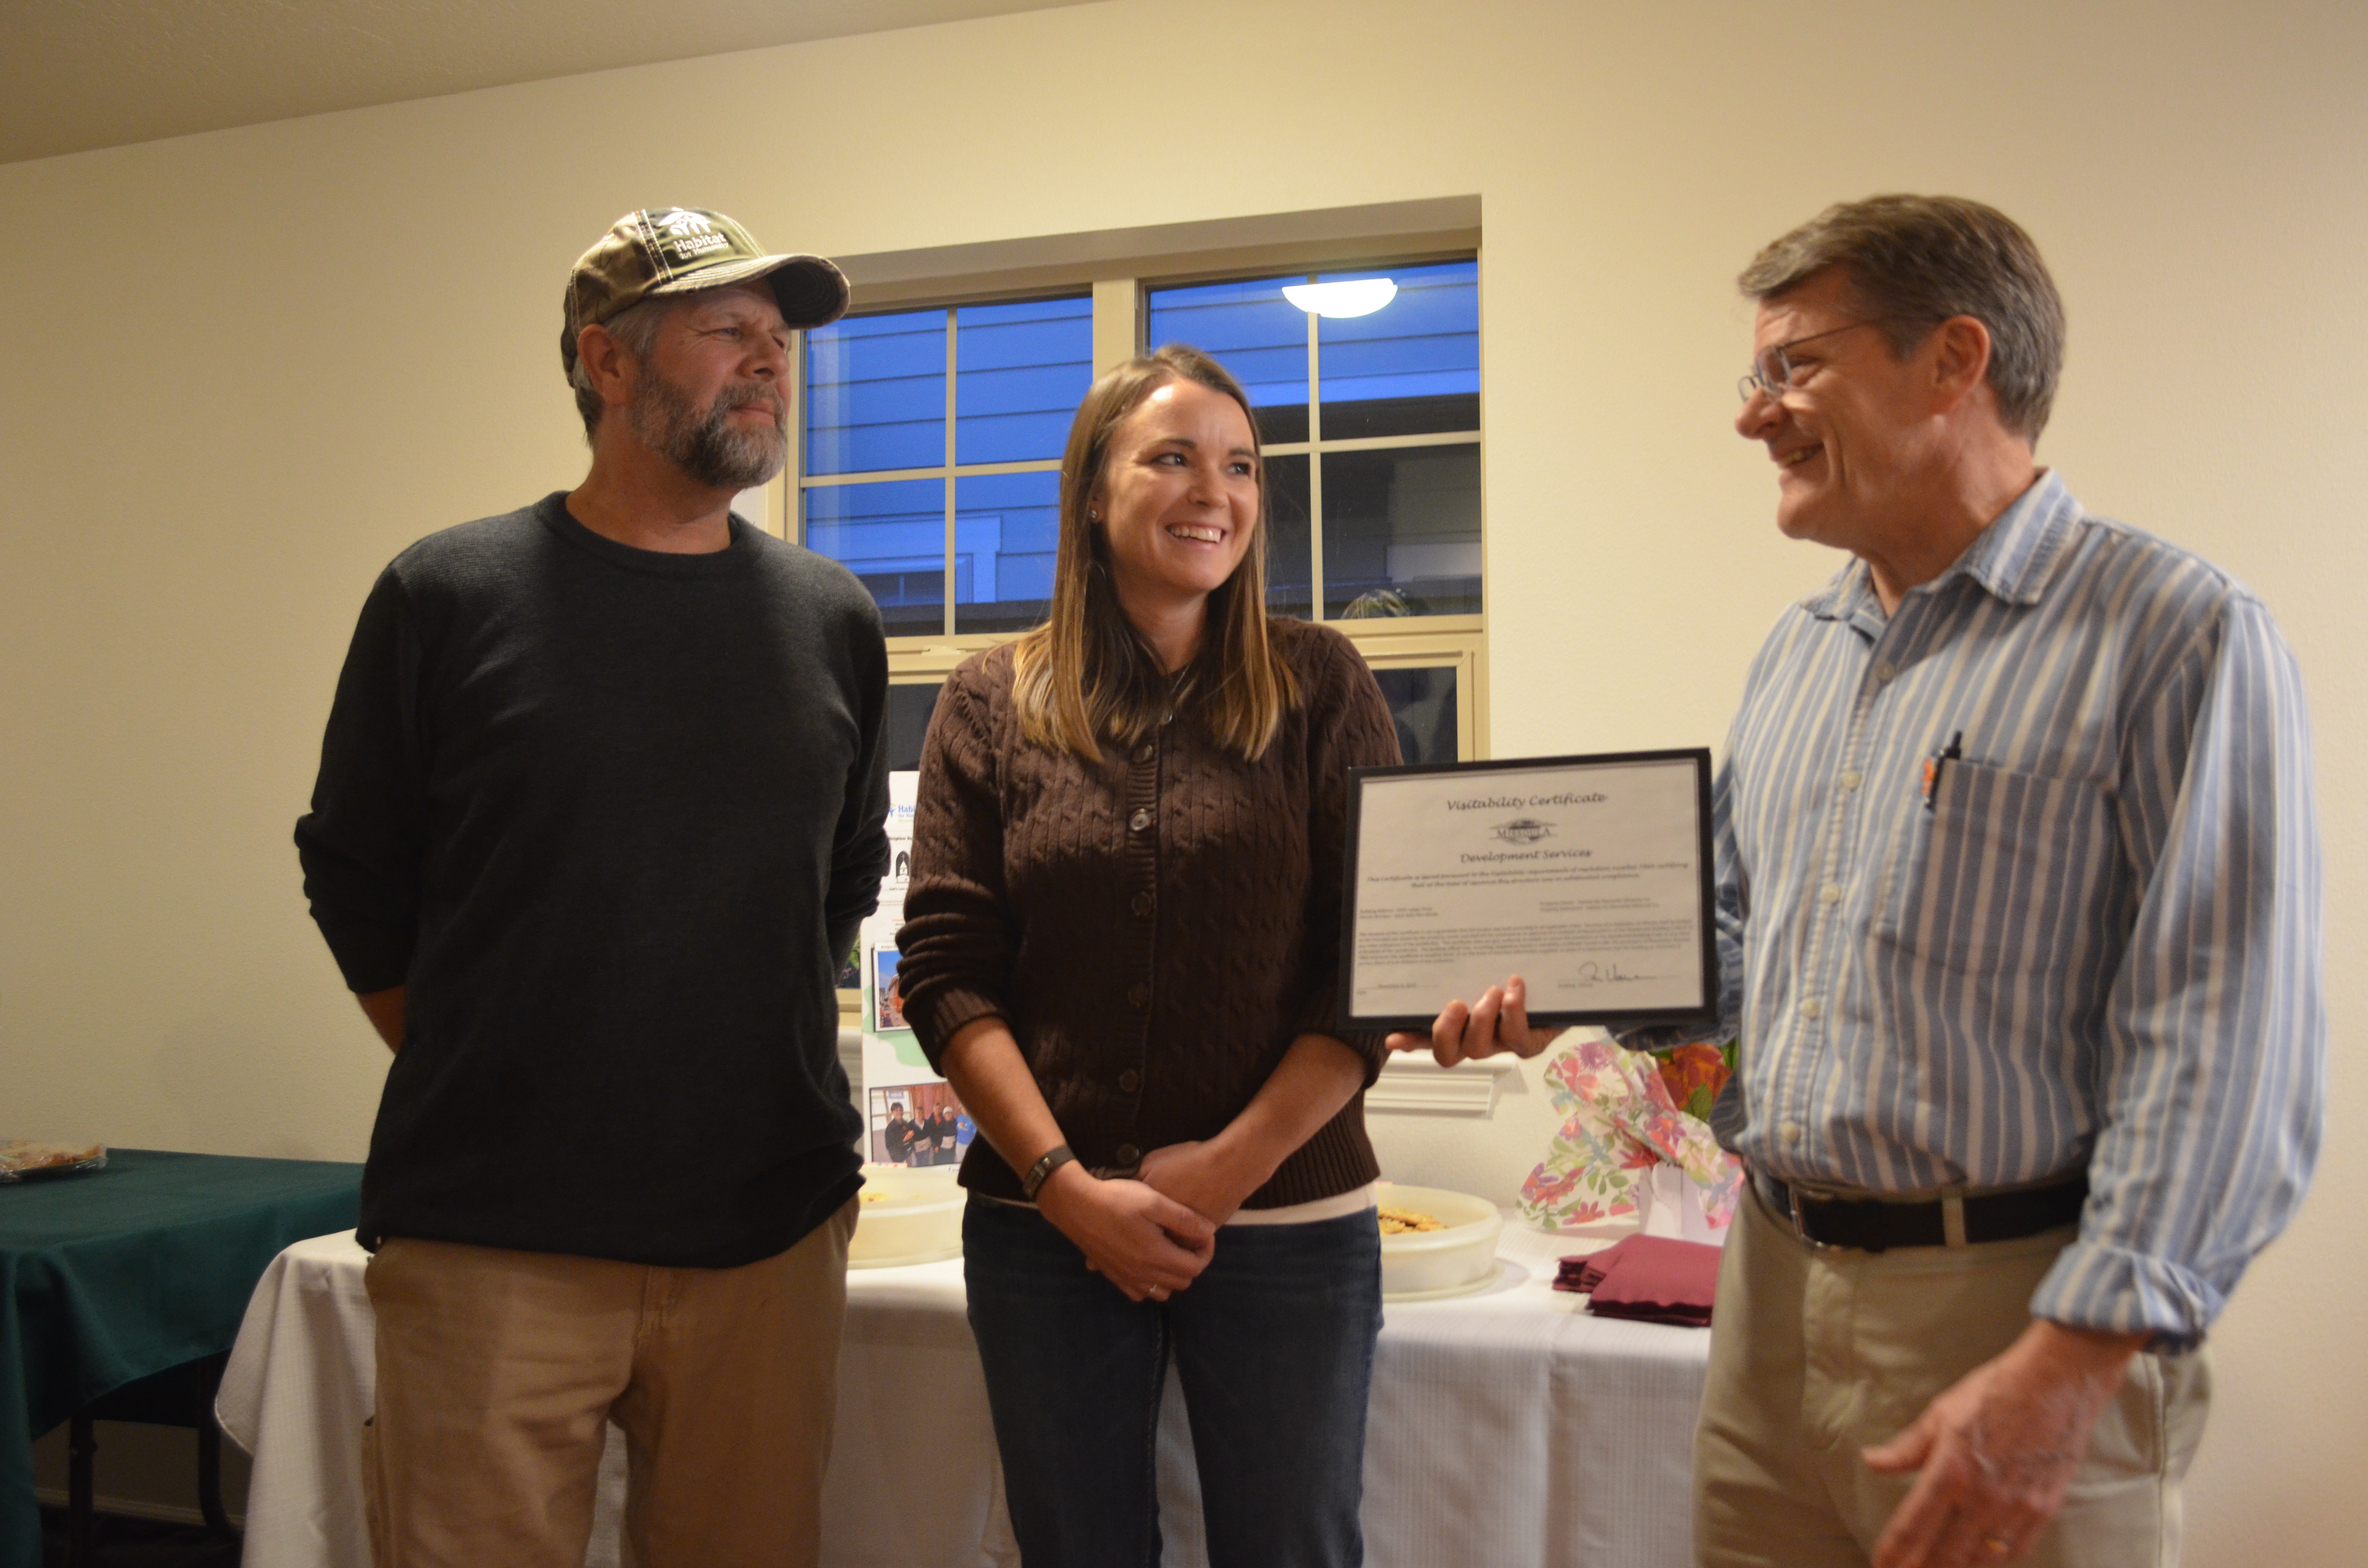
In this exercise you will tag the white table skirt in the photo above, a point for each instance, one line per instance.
(1509, 1429)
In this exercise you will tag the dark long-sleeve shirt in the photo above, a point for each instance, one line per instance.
(610, 817)
(1157, 928)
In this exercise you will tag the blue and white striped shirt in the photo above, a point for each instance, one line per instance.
(2101, 940)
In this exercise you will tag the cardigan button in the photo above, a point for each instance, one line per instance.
(1138, 995)
(1129, 1081)
(1143, 751)
(1141, 820)
(1127, 1155)
(1142, 906)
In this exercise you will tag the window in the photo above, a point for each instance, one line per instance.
(929, 453)
(1370, 423)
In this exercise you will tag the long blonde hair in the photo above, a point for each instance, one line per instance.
(1087, 674)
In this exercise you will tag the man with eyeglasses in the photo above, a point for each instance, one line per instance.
(2020, 891)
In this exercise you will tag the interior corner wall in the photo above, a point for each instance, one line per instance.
(242, 369)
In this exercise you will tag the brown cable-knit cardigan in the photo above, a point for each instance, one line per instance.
(1157, 928)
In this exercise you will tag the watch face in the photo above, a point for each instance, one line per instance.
(1052, 1160)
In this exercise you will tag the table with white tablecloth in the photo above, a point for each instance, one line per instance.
(1510, 1428)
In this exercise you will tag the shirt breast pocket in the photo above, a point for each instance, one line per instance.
(1994, 865)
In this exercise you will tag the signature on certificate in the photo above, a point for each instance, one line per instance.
(1592, 973)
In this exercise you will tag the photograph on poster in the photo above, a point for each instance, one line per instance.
(887, 1007)
(919, 1124)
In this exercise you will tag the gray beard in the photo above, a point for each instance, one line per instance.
(708, 447)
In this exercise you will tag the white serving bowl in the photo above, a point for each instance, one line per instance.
(907, 1214)
(1426, 1265)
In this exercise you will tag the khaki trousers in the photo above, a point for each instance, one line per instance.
(497, 1372)
(1819, 1353)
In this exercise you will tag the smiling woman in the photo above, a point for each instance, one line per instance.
(1177, 504)
(1158, 595)
(1120, 948)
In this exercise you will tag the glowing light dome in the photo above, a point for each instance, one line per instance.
(1358, 297)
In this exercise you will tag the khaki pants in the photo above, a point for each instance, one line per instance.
(1816, 1354)
(497, 1372)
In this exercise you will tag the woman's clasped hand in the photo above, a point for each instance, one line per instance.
(1144, 1242)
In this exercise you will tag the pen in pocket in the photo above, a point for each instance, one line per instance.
(1952, 752)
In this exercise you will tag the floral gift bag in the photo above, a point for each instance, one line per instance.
(1622, 1119)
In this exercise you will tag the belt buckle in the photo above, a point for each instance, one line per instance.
(1793, 1193)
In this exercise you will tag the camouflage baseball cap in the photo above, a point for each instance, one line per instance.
(672, 250)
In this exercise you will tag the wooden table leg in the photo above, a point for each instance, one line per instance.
(209, 1499)
(81, 1444)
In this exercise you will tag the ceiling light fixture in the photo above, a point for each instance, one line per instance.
(1357, 297)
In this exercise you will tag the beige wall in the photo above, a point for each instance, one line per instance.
(239, 370)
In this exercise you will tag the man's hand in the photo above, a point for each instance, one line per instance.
(1498, 1021)
(1200, 1176)
(1141, 1241)
(1998, 1449)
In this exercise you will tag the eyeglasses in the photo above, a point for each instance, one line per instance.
(1773, 371)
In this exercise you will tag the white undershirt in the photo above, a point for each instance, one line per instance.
(1330, 1207)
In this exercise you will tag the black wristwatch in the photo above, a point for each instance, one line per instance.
(1053, 1160)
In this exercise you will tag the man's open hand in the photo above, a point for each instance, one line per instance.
(1498, 1021)
(1998, 1447)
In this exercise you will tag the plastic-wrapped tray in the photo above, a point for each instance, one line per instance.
(1454, 1260)
(907, 1215)
(27, 1159)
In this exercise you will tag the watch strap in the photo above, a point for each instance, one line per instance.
(1052, 1160)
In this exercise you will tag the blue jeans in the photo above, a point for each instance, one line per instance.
(1274, 1349)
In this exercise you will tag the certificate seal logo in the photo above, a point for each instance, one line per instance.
(1523, 830)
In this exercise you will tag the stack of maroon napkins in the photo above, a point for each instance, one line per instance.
(1655, 1278)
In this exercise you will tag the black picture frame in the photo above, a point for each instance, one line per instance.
(1361, 777)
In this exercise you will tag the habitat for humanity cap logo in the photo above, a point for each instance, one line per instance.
(1523, 830)
(686, 235)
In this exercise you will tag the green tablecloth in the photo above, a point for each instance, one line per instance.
(112, 1276)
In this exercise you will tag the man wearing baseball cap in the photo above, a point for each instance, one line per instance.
(600, 808)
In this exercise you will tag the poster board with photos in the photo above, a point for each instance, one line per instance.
(912, 1117)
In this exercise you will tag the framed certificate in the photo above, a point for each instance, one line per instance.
(1589, 877)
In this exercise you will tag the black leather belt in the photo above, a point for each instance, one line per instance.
(1874, 1224)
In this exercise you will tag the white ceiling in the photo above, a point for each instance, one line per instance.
(81, 74)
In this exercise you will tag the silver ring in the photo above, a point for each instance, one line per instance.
(1157, 1292)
